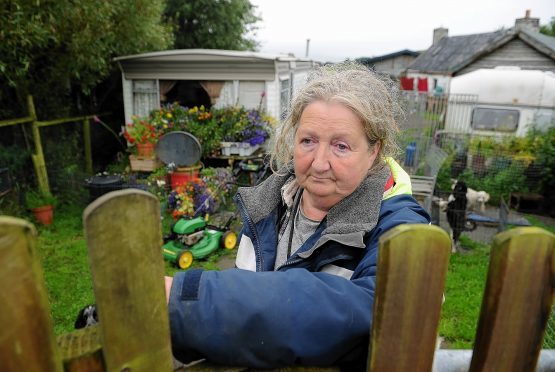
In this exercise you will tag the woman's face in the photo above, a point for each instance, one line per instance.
(331, 153)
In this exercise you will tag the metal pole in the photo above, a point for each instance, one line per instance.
(307, 47)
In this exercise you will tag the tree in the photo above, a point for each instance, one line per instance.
(58, 50)
(548, 29)
(213, 24)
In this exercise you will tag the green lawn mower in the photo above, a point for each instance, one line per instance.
(193, 238)
(190, 238)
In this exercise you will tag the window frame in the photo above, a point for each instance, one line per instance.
(494, 126)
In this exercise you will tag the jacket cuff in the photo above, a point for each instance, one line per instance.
(185, 285)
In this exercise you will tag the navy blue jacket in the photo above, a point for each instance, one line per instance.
(304, 313)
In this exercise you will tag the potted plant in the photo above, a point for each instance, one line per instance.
(143, 133)
(244, 130)
(42, 205)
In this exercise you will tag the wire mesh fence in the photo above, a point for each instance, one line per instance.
(502, 184)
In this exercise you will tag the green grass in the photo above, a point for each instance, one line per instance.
(64, 258)
(464, 288)
(63, 254)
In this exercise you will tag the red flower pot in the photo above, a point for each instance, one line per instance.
(183, 176)
(145, 149)
(44, 214)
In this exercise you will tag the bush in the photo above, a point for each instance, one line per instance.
(502, 166)
(36, 199)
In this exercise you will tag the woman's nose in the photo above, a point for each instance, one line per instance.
(321, 161)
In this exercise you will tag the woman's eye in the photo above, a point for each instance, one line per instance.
(342, 147)
(306, 141)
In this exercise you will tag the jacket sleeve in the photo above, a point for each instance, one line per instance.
(274, 319)
(268, 319)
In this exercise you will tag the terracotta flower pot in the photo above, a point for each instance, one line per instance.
(44, 214)
(145, 150)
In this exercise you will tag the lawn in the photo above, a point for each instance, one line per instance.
(63, 252)
(64, 258)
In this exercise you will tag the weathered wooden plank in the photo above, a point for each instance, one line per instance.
(81, 350)
(412, 266)
(517, 301)
(87, 143)
(6, 123)
(26, 335)
(123, 233)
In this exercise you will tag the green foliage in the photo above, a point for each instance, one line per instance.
(502, 166)
(18, 161)
(64, 155)
(36, 199)
(498, 182)
(548, 29)
(443, 179)
(54, 49)
(544, 146)
(208, 24)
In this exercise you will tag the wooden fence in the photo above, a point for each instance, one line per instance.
(38, 155)
(133, 333)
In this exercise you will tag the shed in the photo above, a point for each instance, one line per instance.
(210, 77)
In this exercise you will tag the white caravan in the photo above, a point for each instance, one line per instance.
(501, 101)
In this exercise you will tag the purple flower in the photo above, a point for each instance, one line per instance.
(256, 140)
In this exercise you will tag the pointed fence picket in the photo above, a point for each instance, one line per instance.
(123, 235)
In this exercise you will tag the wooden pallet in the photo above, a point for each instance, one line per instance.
(143, 164)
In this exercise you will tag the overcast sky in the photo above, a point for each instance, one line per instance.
(340, 29)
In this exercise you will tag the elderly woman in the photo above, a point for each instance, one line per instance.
(303, 289)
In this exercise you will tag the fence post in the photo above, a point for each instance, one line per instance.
(123, 233)
(27, 342)
(38, 155)
(88, 149)
(412, 266)
(517, 301)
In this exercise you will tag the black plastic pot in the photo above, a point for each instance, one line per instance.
(102, 184)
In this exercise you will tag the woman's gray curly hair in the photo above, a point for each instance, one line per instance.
(373, 97)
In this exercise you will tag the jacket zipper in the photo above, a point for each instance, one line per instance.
(254, 239)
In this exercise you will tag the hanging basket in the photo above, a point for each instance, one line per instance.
(45, 214)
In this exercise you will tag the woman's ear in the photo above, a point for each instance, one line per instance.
(374, 151)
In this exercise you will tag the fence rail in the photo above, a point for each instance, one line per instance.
(38, 155)
(127, 268)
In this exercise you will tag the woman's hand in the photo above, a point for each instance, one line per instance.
(168, 283)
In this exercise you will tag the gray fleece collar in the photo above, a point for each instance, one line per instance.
(347, 222)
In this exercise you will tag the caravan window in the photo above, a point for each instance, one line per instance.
(145, 97)
(499, 120)
(284, 97)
